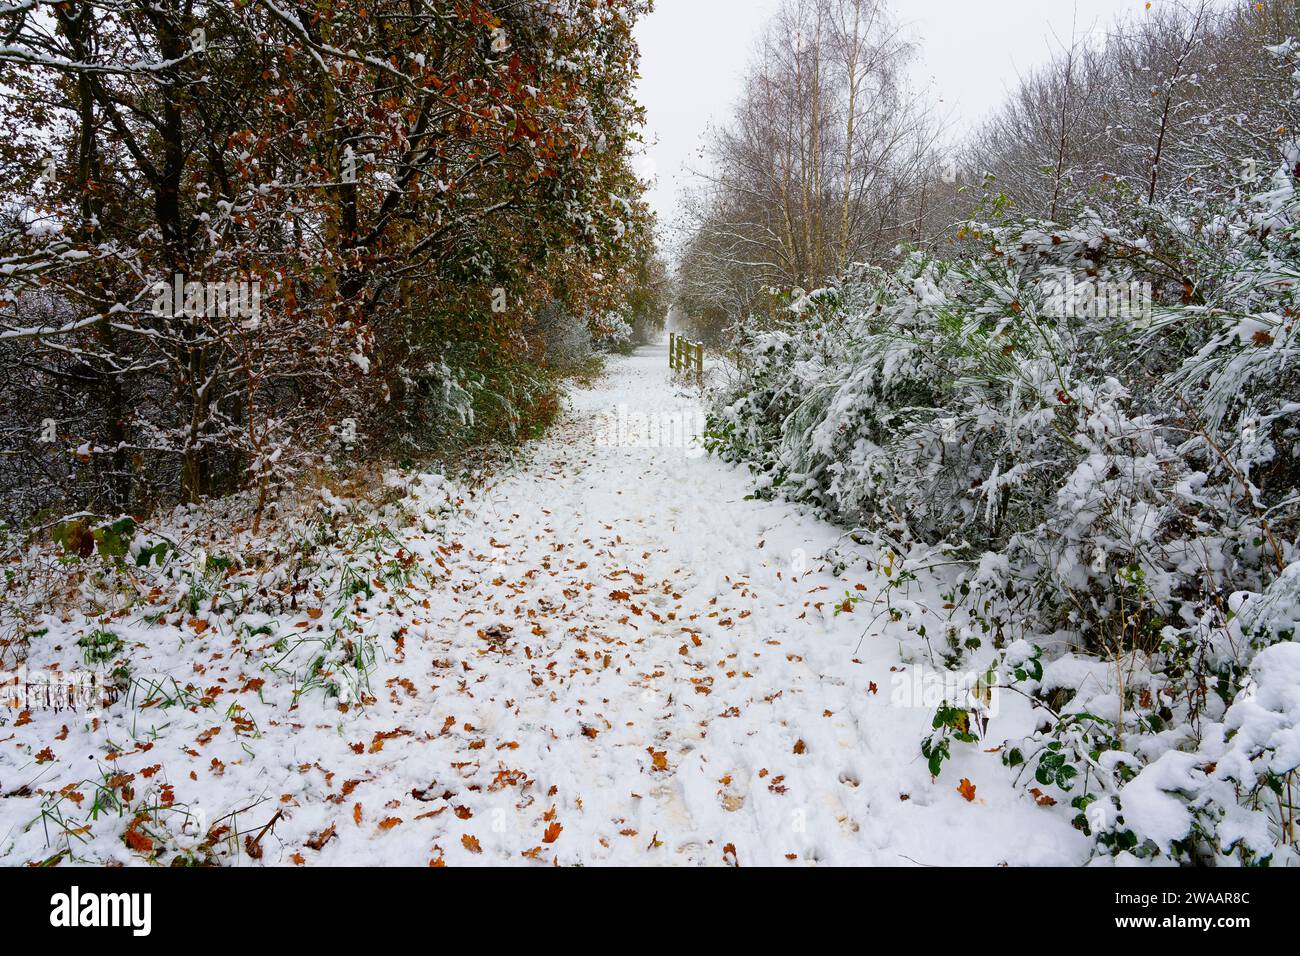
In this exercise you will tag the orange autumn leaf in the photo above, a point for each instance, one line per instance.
(356, 814)
(471, 843)
(317, 841)
(389, 822)
(135, 839)
(966, 789)
(552, 833)
(207, 735)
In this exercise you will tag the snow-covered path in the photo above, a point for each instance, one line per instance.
(619, 660)
(633, 654)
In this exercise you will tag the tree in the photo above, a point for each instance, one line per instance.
(361, 177)
(819, 167)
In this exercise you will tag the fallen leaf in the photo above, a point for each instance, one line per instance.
(318, 840)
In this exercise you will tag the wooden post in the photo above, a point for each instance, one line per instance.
(672, 349)
(699, 361)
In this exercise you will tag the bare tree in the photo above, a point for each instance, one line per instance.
(820, 167)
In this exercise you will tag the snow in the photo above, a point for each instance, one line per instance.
(1151, 810)
(615, 639)
(1265, 718)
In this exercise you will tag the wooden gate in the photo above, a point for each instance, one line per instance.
(685, 355)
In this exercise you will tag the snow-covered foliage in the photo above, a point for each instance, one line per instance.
(567, 339)
(142, 614)
(290, 267)
(1108, 476)
(615, 334)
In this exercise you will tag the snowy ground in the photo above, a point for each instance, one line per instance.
(623, 661)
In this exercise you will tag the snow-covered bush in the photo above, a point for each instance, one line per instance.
(1233, 798)
(614, 334)
(567, 339)
(1101, 470)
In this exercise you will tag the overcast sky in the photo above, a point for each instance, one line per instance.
(693, 53)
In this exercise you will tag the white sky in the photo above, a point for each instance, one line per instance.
(693, 53)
